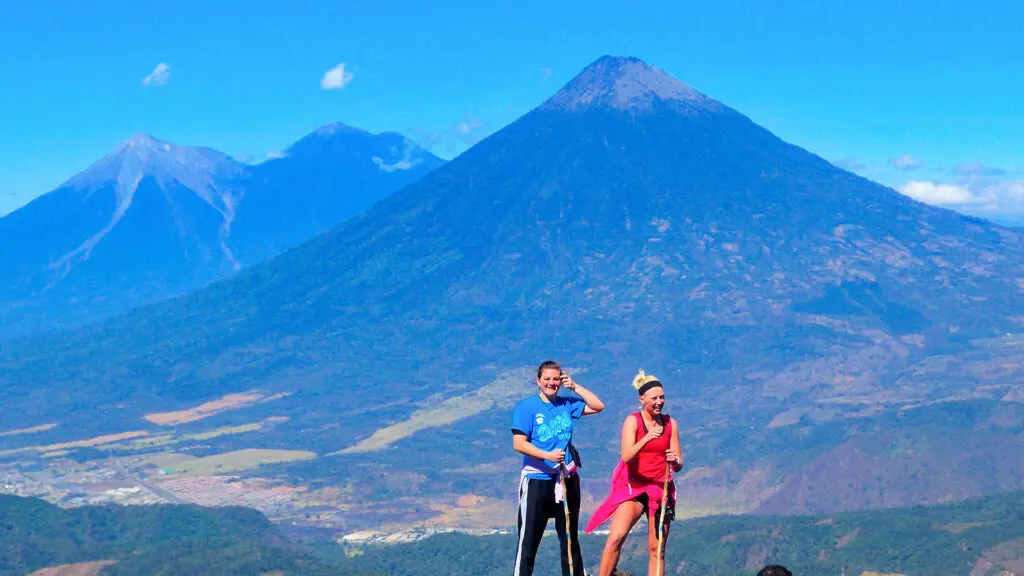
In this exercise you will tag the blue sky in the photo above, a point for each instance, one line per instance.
(925, 96)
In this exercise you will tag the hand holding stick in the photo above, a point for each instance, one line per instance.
(565, 507)
(661, 523)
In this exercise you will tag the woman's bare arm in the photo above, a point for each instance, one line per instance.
(674, 455)
(630, 447)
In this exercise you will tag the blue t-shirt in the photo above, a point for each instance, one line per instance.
(548, 426)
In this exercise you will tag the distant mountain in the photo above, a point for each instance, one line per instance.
(152, 220)
(792, 308)
(168, 540)
(334, 173)
(146, 221)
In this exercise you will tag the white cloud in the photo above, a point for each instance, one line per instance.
(977, 169)
(460, 135)
(429, 139)
(1004, 197)
(255, 159)
(336, 78)
(1008, 193)
(159, 76)
(404, 163)
(979, 190)
(469, 131)
(907, 162)
(932, 193)
(545, 74)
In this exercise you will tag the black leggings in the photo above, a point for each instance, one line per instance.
(536, 505)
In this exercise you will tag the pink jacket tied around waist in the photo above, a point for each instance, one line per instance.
(623, 490)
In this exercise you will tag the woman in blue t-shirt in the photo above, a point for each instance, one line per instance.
(542, 432)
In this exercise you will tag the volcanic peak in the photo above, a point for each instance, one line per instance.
(628, 84)
(143, 155)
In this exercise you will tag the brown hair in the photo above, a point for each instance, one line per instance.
(547, 364)
(774, 570)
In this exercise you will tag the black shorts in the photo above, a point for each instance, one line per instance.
(670, 508)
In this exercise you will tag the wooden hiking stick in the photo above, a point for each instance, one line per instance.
(661, 522)
(565, 507)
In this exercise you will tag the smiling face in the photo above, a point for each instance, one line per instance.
(549, 381)
(653, 400)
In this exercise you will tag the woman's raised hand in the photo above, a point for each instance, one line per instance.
(567, 381)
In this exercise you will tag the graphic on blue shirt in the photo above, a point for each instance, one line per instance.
(548, 426)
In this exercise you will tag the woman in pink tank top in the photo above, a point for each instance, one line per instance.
(650, 444)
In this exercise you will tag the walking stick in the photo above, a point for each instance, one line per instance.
(565, 507)
(661, 522)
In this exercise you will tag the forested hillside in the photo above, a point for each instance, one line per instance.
(144, 540)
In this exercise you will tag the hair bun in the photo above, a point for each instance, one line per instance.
(640, 379)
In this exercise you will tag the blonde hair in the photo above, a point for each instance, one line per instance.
(640, 379)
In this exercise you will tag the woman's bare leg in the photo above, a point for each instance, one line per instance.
(623, 520)
(652, 546)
